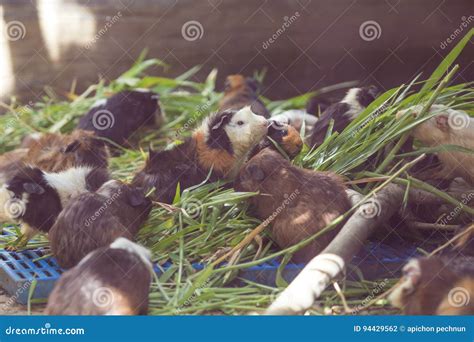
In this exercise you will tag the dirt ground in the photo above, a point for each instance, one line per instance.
(9, 308)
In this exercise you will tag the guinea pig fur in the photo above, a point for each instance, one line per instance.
(447, 126)
(112, 280)
(120, 116)
(354, 103)
(35, 198)
(222, 143)
(317, 105)
(296, 118)
(94, 220)
(306, 201)
(240, 92)
(11, 162)
(58, 152)
(286, 136)
(427, 287)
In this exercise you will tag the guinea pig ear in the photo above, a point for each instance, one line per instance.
(442, 122)
(33, 188)
(256, 173)
(72, 147)
(227, 85)
(137, 197)
(225, 119)
(252, 84)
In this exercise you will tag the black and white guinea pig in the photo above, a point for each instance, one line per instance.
(112, 280)
(240, 92)
(95, 219)
(317, 105)
(35, 198)
(286, 136)
(354, 103)
(222, 143)
(120, 116)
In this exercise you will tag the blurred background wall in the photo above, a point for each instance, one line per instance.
(304, 44)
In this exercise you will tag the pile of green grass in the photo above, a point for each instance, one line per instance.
(206, 221)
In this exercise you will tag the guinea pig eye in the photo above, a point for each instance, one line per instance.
(240, 122)
(256, 173)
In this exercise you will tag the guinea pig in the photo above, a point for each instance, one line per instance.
(52, 152)
(296, 118)
(120, 116)
(240, 92)
(11, 162)
(317, 105)
(353, 104)
(447, 127)
(432, 286)
(112, 280)
(306, 201)
(222, 143)
(286, 136)
(35, 198)
(95, 219)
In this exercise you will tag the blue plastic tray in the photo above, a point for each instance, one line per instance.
(19, 269)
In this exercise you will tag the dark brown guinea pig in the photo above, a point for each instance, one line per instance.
(286, 136)
(306, 201)
(54, 152)
(119, 117)
(112, 280)
(240, 92)
(436, 286)
(94, 220)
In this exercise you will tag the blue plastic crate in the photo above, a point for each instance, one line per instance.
(19, 269)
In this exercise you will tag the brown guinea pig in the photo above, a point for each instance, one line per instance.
(240, 92)
(306, 201)
(286, 136)
(10, 163)
(95, 219)
(54, 152)
(112, 280)
(435, 286)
